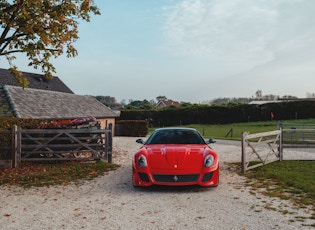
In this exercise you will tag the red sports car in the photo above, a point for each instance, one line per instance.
(175, 157)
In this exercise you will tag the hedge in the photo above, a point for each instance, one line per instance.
(132, 128)
(174, 116)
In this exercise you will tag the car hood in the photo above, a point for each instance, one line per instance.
(175, 157)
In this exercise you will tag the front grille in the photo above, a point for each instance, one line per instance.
(176, 178)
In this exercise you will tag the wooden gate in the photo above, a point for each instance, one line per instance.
(60, 144)
(261, 148)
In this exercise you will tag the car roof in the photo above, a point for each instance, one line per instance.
(175, 128)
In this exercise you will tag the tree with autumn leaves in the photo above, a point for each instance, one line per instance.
(42, 29)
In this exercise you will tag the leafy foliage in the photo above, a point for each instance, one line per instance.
(6, 123)
(234, 100)
(107, 100)
(45, 174)
(145, 104)
(42, 29)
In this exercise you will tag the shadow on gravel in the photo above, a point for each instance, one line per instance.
(172, 189)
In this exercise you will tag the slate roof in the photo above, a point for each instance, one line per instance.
(45, 104)
(37, 81)
(5, 109)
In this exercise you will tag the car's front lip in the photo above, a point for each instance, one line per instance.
(145, 177)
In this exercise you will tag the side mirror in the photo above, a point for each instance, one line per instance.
(210, 141)
(140, 141)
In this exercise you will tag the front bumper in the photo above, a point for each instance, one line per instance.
(207, 177)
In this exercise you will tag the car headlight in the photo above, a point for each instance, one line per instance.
(142, 161)
(209, 160)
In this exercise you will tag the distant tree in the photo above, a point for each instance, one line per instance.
(123, 102)
(137, 104)
(42, 29)
(185, 104)
(270, 97)
(107, 100)
(161, 98)
(152, 102)
(289, 97)
(258, 94)
(310, 95)
(225, 100)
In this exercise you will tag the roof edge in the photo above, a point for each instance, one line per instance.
(8, 96)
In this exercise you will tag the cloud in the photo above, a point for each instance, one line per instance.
(268, 45)
(241, 33)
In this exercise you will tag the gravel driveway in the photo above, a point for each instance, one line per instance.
(111, 202)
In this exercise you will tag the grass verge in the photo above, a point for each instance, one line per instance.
(46, 174)
(289, 180)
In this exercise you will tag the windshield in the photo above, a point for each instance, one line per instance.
(175, 136)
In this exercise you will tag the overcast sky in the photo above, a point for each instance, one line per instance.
(193, 50)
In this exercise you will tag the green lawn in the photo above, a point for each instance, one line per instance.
(298, 174)
(224, 131)
(234, 131)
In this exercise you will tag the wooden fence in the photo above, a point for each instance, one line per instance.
(261, 148)
(58, 145)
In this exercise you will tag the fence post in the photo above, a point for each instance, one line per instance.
(106, 146)
(243, 153)
(230, 132)
(16, 146)
(19, 146)
(110, 147)
(281, 144)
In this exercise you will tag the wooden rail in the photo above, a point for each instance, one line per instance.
(59, 144)
(261, 148)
